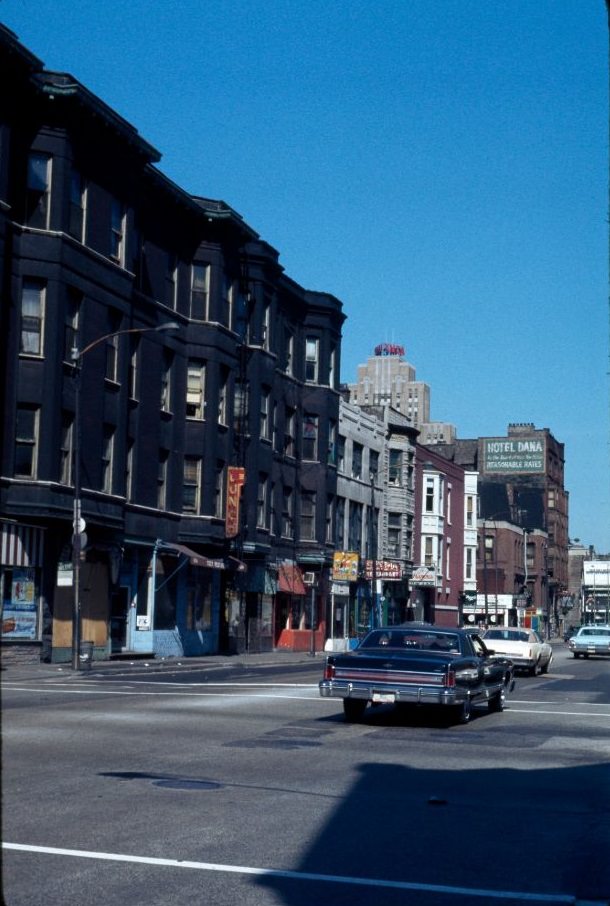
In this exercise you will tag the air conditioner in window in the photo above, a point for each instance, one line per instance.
(309, 578)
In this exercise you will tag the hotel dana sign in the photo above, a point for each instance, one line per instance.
(514, 454)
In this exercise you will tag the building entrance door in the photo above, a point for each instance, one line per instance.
(119, 612)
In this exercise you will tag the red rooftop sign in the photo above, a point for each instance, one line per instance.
(389, 349)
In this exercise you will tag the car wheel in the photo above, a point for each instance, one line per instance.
(353, 708)
(576, 654)
(535, 669)
(463, 712)
(497, 701)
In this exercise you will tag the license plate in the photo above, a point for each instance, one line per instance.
(384, 698)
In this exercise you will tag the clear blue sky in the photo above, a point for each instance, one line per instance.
(441, 167)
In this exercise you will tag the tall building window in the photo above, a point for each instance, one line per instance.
(332, 367)
(162, 479)
(195, 389)
(469, 510)
(341, 453)
(287, 512)
(357, 450)
(332, 442)
(171, 280)
(395, 468)
(265, 423)
(223, 396)
(228, 289)
(308, 515)
(166, 381)
(26, 441)
(112, 346)
(240, 407)
(429, 506)
(76, 221)
(289, 352)
(289, 431)
(134, 361)
(108, 458)
(394, 535)
(354, 529)
(373, 464)
(261, 502)
(428, 551)
(330, 529)
(490, 547)
(38, 190)
(312, 347)
(74, 301)
(117, 231)
(32, 316)
(469, 563)
(340, 523)
(191, 485)
(129, 473)
(200, 291)
(267, 323)
(65, 448)
(219, 490)
(310, 437)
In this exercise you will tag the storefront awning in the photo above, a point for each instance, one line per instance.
(290, 580)
(196, 559)
(21, 545)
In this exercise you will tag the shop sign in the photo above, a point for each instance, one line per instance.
(64, 573)
(142, 621)
(345, 566)
(514, 454)
(383, 569)
(423, 576)
(236, 477)
(20, 612)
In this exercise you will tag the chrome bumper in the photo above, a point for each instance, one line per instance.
(417, 695)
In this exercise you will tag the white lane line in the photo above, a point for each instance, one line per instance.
(299, 875)
(166, 692)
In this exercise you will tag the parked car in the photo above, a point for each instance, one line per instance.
(590, 640)
(526, 649)
(419, 665)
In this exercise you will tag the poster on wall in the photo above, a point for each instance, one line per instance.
(20, 611)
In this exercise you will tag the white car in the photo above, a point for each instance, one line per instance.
(525, 648)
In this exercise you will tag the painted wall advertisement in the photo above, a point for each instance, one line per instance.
(20, 611)
(345, 566)
(514, 454)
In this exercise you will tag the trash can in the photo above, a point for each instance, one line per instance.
(85, 656)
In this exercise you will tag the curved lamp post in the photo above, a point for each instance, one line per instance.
(77, 540)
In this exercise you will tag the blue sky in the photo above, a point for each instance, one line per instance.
(441, 167)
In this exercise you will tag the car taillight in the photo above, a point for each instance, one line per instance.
(329, 671)
(450, 678)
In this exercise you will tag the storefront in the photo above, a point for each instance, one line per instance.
(21, 585)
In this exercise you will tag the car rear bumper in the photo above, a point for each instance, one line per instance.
(399, 694)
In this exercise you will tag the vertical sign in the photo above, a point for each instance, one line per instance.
(236, 477)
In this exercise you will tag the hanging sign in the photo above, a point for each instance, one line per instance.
(236, 478)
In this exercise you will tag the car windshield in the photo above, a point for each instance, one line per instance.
(509, 635)
(424, 640)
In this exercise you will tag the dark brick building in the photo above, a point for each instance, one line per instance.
(99, 251)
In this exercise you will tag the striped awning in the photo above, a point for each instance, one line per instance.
(21, 545)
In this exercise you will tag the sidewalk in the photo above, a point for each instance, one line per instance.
(14, 671)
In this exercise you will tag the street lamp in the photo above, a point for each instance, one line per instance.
(77, 521)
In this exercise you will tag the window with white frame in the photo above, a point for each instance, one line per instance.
(191, 485)
(340, 523)
(469, 573)
(223, 396)
(108, 458)
(469, 511)
(341, 453)
(134, 362)
(261, 501)
(117, 231)
(26, 441)
(112, 346)
(195, 389)
(65, 448)
(267, 323)
(219, 490)
(289, 431)
(200, 291)
(287, 512)
(332, 442)
(162, 479)
(310, 437)
(265, 422)
(395, 468)
(357, 451)
(329, 518)
(171, 280)
(354, 537)
(308, 516)
(74, 300)
(129, 465)
(78, 195)
(289, 352)
(332, 367)
(38, 190)
(312, 351)
(32, 316)
(228, 294)
(394, 535)
(166, 381)
(428, 550)
(429, 501)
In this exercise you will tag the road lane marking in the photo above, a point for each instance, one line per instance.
(298, 875)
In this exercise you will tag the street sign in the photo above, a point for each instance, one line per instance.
(82, 525)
